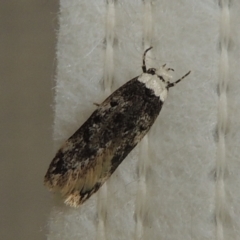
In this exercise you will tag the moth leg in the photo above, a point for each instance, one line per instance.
(96, 104)
(168, 69)
(144, 68)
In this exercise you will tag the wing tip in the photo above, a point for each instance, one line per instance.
(73, 200)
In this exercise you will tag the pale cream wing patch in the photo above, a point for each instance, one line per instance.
(78, 189)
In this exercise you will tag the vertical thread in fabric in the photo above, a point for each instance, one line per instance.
(222, 119)
(107, 82)
(109, 63)
(143, 164)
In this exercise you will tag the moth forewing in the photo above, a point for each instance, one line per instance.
(90, 156)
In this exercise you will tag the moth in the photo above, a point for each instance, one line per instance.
(91, 155)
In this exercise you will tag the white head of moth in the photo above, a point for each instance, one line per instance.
(91, 155)
(150, 77)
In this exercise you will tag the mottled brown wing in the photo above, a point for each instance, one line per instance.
(96, 149)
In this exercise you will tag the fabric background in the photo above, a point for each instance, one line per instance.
(182, 181)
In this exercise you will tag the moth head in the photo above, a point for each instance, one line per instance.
(157, 80)
(162, 73)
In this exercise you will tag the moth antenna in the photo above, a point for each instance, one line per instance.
(144, 68)
(179, 80)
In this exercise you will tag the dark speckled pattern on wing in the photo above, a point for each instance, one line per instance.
(95, 150)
